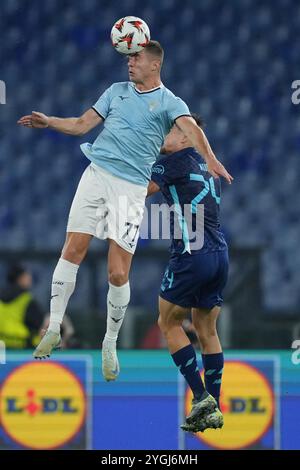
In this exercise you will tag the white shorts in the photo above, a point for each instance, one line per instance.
(106, 206)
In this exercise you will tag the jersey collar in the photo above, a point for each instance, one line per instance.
(147, 91)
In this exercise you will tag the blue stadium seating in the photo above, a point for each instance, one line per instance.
(233, 62)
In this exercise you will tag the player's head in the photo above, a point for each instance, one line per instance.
(146, 64)
(176, 140)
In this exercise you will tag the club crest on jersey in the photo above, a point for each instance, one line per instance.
(160, 169)
(153, 105)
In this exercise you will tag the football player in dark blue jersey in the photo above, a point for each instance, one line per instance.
(196, 273)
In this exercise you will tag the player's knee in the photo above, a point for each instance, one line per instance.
(165, 323)
(206, 334)
(75, 249)
(161, 323)
(117, 277)
(74, 254)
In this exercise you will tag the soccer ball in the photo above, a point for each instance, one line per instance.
(130, 35)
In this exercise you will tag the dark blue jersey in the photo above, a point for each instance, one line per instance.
(186, 184)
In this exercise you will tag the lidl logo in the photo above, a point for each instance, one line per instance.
(247, 403)
(42, 405)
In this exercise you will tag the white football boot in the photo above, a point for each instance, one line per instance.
(49, 342)
(110, 363)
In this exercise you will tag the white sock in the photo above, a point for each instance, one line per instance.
(117, 302)
(63, 285)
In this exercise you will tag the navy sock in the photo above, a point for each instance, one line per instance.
(213, 366)
(186, 360)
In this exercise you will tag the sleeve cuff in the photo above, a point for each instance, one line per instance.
(102, 117)
(181, 115)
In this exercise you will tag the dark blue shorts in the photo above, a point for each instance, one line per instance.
(195, 281)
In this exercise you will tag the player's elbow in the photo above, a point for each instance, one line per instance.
(78, 132)
(80, 127)
(149, 192)
(152, 189)
(81, 132)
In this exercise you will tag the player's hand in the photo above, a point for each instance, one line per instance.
(216, 169)
(35, 119)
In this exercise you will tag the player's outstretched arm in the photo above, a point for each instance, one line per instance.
(72, 126)
(200, 142)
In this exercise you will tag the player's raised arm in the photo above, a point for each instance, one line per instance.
(73, 126)
(198, 138)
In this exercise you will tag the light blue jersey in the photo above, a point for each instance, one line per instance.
(134, 129)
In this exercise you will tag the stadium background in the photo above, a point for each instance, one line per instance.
(234, 63)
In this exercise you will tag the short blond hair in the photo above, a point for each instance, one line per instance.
(155, 49)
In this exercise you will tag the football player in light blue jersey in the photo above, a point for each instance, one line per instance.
(110, 197)
(135, 124)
